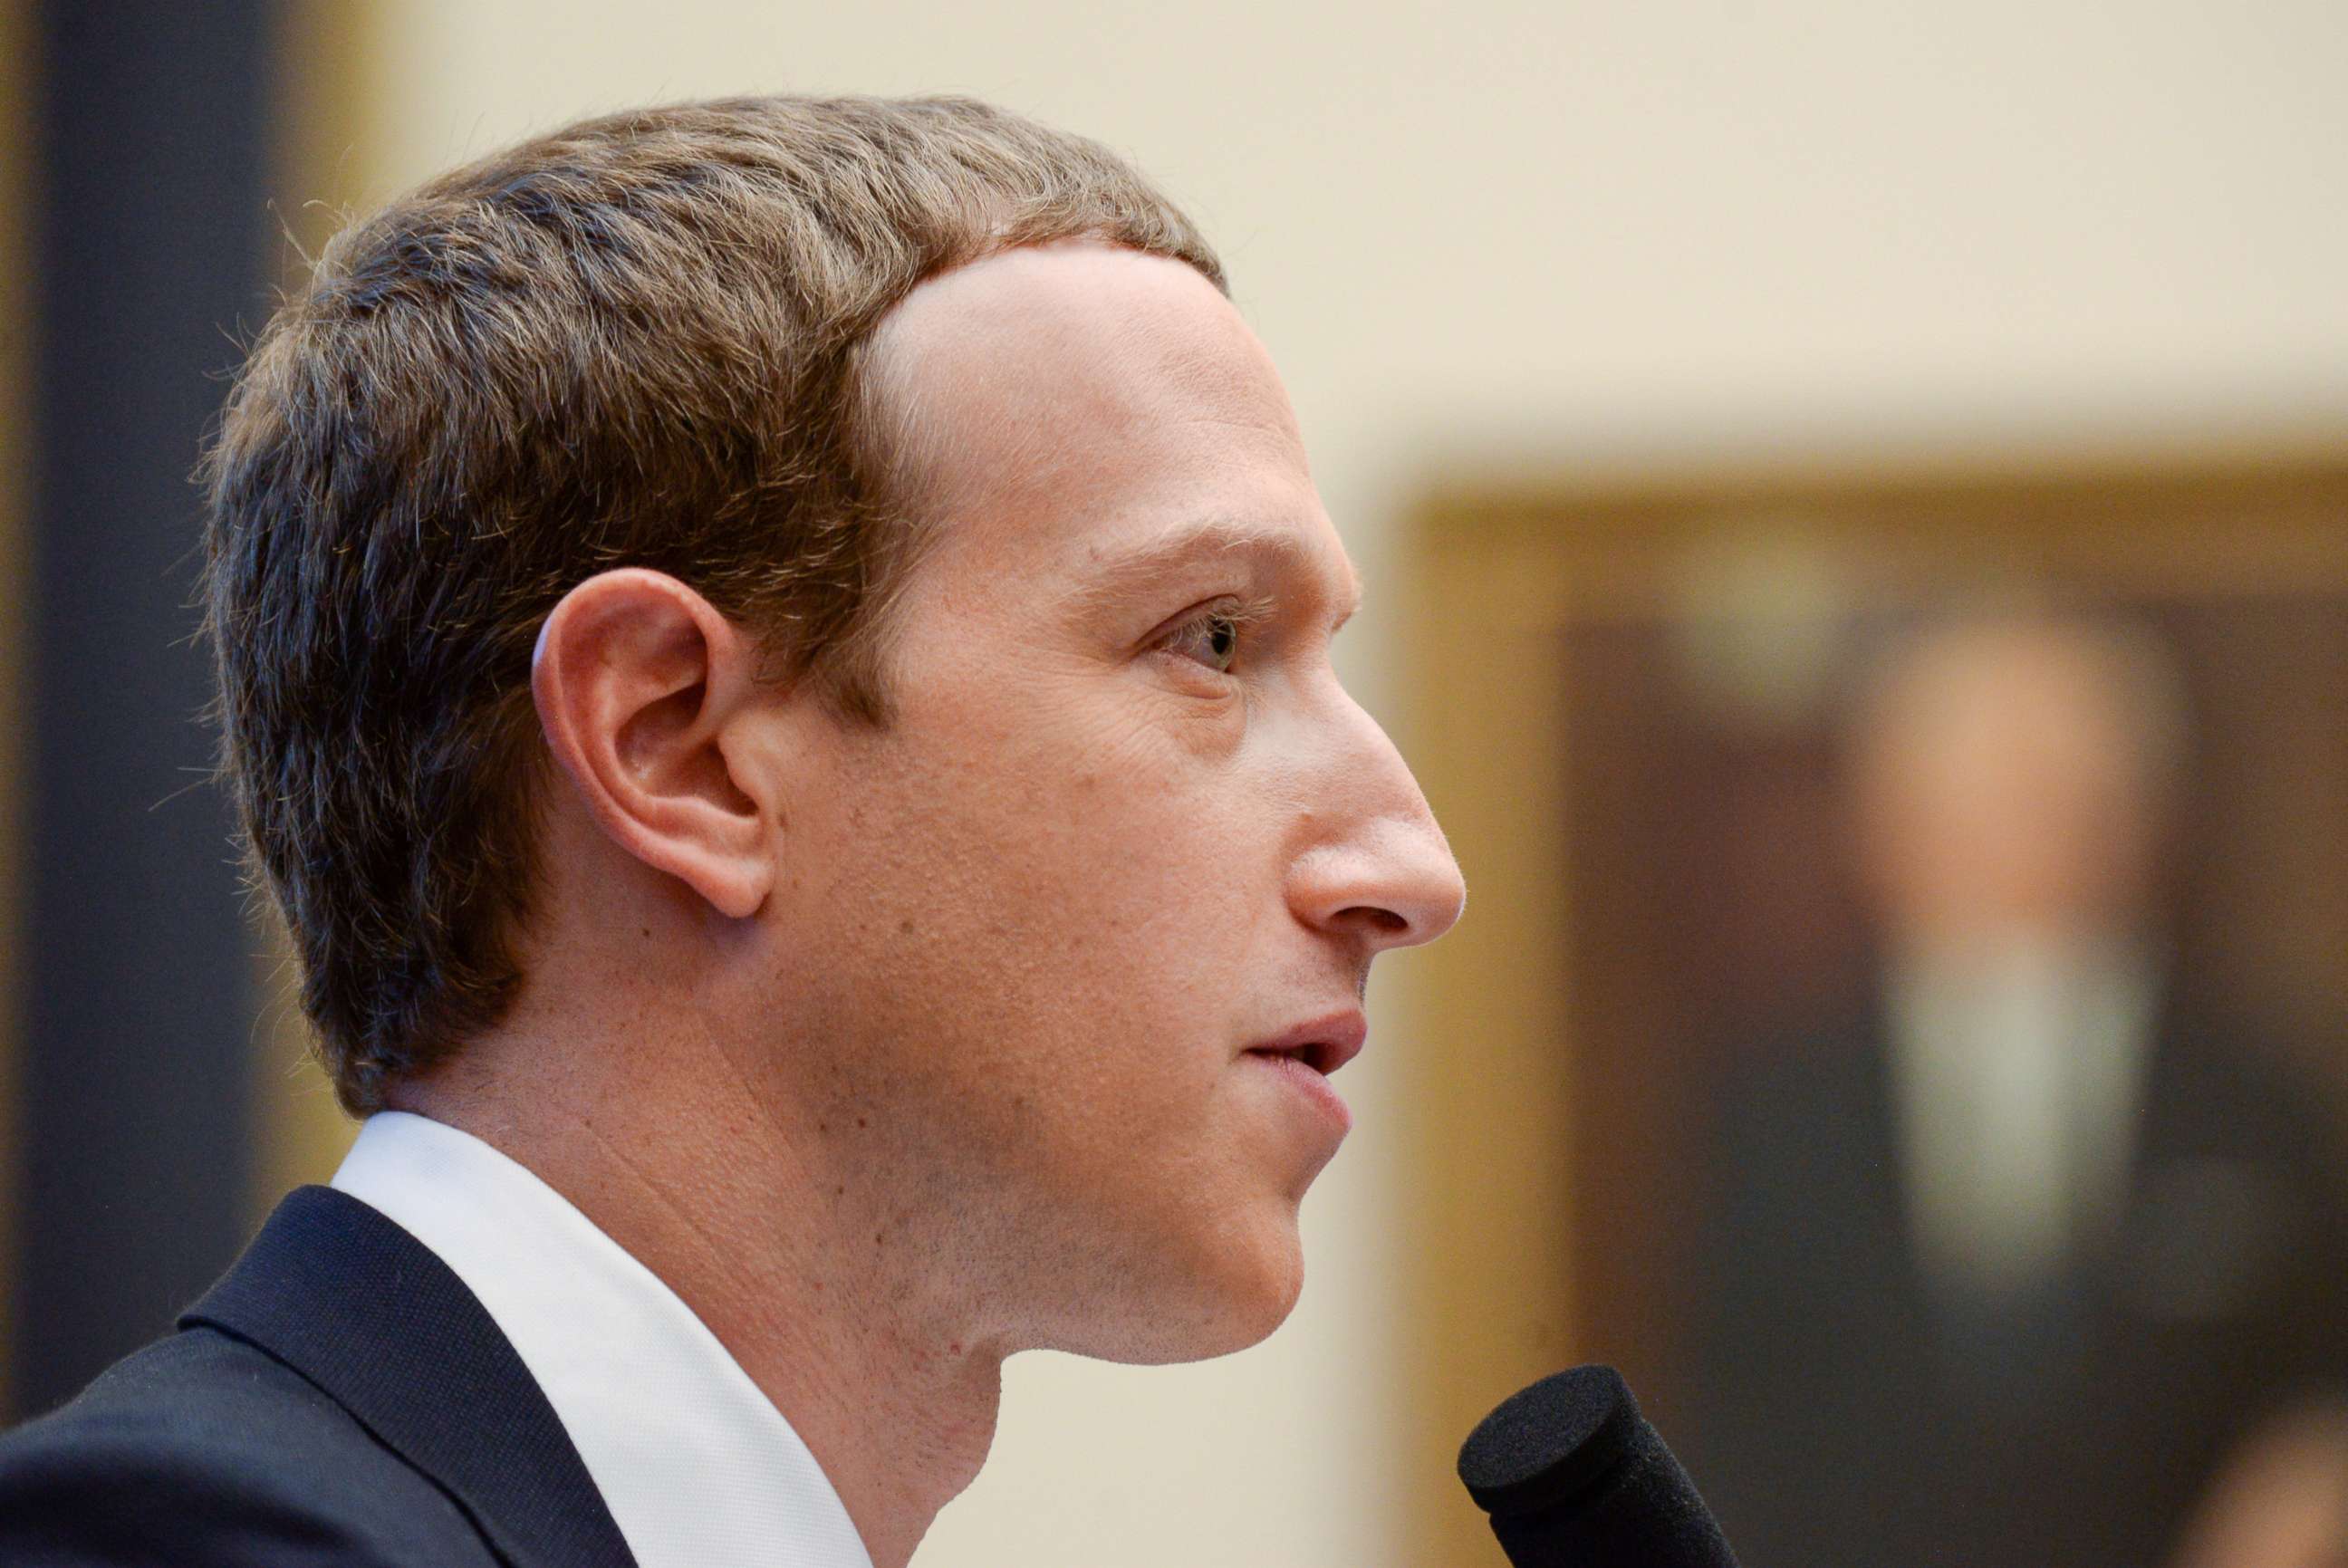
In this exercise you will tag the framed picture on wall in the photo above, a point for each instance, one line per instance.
(1901, 1001)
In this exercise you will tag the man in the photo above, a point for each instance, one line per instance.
(776, 660)
(2002, 1268)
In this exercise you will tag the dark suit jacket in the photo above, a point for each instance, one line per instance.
(1843, 1413)
(339, 1398)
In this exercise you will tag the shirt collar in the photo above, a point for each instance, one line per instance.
(697, 1465)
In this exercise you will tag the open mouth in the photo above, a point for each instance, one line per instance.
(1324, 1044)
(1306, 1059)
(1321, 1056)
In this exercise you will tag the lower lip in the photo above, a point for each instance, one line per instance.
(1313, 1086)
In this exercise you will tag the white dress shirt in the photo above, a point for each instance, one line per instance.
(698, 1468)
(2020, 1075)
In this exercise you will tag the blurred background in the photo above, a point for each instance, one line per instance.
(1854, 497)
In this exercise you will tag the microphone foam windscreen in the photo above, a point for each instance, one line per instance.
(1545, 1444)
(1574, 1477)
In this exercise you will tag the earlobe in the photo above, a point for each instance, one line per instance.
(638, 681)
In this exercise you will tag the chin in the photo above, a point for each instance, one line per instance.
(1253, 1323)
(1239, 1293)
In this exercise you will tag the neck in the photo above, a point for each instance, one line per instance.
(804, 1271)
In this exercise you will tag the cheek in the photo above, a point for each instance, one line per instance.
(1125, 814)
(1161, 864)
(1063, 822)
(1038, 966)
(1083, 904)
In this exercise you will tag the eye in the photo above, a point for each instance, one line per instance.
(1210, 637)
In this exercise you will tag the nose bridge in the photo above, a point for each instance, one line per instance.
(1376, 859)
(1393, 790)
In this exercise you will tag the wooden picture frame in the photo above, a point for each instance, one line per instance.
(1540, 1148)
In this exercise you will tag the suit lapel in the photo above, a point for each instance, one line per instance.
(371, 1315)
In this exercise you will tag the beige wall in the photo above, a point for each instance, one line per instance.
(1535, 235)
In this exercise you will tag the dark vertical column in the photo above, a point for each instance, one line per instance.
(149, 234)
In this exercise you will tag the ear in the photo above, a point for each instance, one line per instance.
(638, 681)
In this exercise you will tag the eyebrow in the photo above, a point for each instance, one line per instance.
(1127, 574)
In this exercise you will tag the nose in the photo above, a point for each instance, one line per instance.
(1374, 868)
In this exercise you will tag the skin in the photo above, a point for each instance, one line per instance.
(2008, 782)
(896, 1052)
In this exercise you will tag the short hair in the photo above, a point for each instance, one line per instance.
(640, 340)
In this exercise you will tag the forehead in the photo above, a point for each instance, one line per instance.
(1996, 688)
(1061, 403)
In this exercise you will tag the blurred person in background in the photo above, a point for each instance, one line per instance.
(1999, 1273)
(776, 661)
(2283, 1499)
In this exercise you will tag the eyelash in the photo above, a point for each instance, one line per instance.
(1240, 615)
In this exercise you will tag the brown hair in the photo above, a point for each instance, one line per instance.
(637, 341)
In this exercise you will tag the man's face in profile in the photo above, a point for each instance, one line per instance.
(1124, 826)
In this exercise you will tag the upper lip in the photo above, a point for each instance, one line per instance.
(1325, 1043)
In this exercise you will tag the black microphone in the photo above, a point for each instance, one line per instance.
(1574, 1477)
